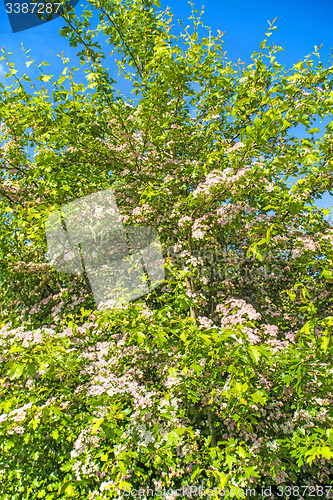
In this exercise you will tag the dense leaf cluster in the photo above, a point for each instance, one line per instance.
(221, 377)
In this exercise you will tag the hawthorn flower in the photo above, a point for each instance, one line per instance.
(235, 147)
(308, 243)
(205, 322)
(184, 219)
(198, 234)
(106, 485)
(137, 211)
(296, 252)
(272, 330)
(237, 317)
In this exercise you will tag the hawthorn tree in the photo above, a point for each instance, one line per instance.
(221, 377)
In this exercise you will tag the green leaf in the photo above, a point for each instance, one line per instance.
(97, 425)
(257, 123)
(326, 452)
(55, 434)
(70, 490)
(249, 131)
(183, 336)
(173, 438)
(251, 471)
(56, 410)
(314, 130)
(196, 473)
(122, 467)
(254, 353)
(66, 467)
(16, 371)
(286, 124)
(34, 423)
(258, 397)
(16, 348)
(262, 241)
(295, 208)
(327, 274)
(181, 430)
(325, 343)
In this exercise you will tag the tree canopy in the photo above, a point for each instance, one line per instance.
(221, 377)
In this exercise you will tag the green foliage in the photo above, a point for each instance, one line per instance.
(221, 377)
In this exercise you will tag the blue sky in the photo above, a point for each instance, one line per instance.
(300, 25)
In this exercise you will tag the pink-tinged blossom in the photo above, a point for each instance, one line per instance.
(277, 344)
(205, 323)
(237, 317)
(308, 243)
(183, 220)
(214, 178)
(9, 145)
(124, 218)
(291, 336)
(297, 252)
(106, 485)
(227, 213)
(221, 178)
(237, 146)
(251, 335)
(271, 330)
(47, 300)
(198, 234)
(137, 211)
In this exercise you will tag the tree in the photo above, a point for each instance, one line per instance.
(174, 389)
